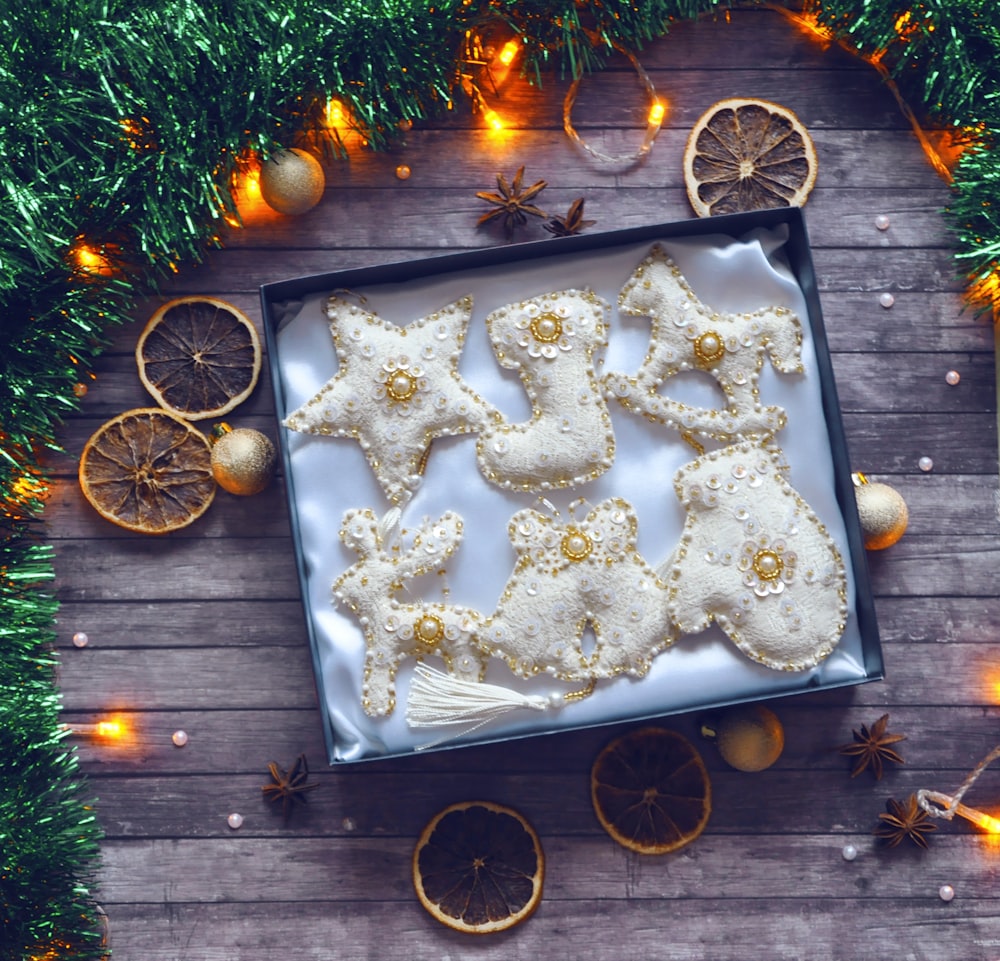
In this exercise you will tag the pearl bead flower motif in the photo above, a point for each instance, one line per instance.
(767, 565)
(396, 389)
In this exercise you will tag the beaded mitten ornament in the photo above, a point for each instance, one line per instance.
(688, 335)
(570, 575)
(550, 341)
(754, 558)
(394, 630)
(397, 389)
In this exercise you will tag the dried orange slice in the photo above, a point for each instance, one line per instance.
(478, 867)
(199, 357)
(651, 791)
(148, 471)
(748, 155)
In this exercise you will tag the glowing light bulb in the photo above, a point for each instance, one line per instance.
(109, 729)
(335, 113)
(493, 119)
(508, 52)
(656, 112)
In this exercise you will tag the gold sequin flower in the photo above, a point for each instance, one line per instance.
(767, 565)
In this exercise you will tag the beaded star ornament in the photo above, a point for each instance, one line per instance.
(395, 630)
(687, 335)
(550, 341)
(396, 389)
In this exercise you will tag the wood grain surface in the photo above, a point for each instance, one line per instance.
(203, 630)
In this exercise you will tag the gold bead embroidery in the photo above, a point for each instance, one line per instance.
(546, 327)
(767, 565)
(709, 348)
(429, 629)
(400, 385)
(576, 546)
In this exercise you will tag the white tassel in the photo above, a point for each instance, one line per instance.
(437, 699)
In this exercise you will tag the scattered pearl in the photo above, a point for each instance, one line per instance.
(235, 821)
(953, 377)
(882, 222)
(886, 300)
(179, 738)
(925, 464)
(80, 639)
(403, 172)
(850, 852)
(946, 892)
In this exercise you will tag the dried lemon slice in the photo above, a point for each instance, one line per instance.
(478, 867)
(651, 791)
(199, 357)
(748, 155)
(148, 471)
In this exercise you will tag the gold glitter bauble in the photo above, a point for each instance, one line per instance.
(750, 738)
(292, 181)
(243, 461)
(883, 514)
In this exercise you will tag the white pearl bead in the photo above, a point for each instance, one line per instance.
(886, 300)
(179, 738)
(850, 852)
(235, 821)
(925, 464)
(946, 892)
(80, 639)
(882, 222)
(952, 377)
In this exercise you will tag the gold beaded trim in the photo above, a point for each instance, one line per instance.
(767, 565)
(576, 546)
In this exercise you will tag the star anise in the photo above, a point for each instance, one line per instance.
(512, 203)
(572, 223)
(871, 747)
(904, 819)
(289, 786)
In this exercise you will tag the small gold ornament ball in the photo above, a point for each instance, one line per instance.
(403, 172)
(292, 181)
(749, 737)
(243, 461)
(883, 514)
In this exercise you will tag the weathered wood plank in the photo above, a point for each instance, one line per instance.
(854, 928)
(249, 678)
(250, 868)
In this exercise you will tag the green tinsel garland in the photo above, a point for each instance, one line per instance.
(121, 124)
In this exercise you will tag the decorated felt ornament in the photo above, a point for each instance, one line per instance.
(395, 630)
(570, 575)
(396, 390)
(882, 512)
(242, 460)
(755, 559)
(687, 335)
(550, 341)
(292, 181)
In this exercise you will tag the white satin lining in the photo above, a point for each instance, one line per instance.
(331, 475)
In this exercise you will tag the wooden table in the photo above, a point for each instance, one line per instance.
(203, 630)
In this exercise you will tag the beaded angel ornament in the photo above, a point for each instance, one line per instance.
(395, 630)
(550, 341)
(688, 335)
(396, 389)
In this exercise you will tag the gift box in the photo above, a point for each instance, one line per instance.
(607, 522)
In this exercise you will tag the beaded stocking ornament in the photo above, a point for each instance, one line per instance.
(572, 574)
(688, 335)
(394, 630)
(550, 341)
(397, 389)
(754, 558)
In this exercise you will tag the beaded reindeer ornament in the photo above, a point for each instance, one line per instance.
(397, 388)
